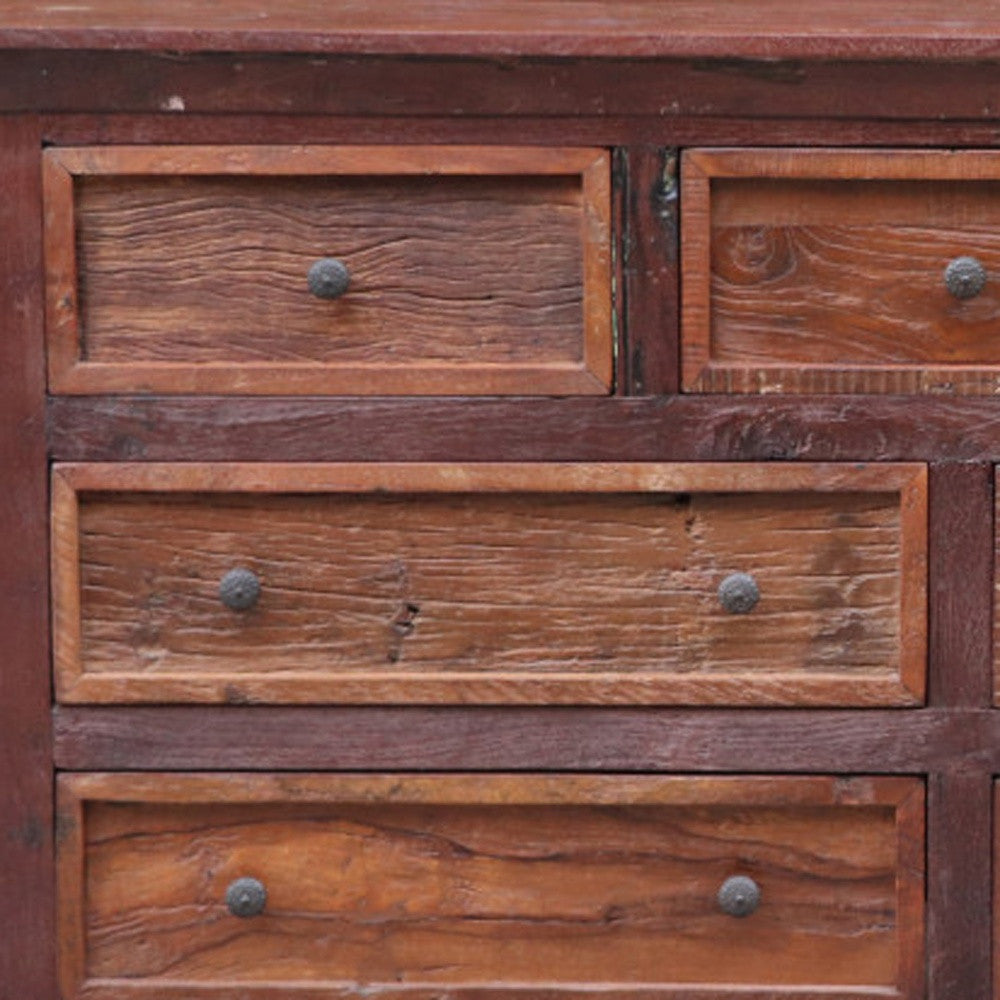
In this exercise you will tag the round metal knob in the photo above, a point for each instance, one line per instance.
(964, 277)
(739, 896)
(739, 593)
(328, 278)
(246, 897)
(239, 589)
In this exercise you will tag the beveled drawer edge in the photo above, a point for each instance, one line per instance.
(909, 480)
(906, 794)
(68, 374)
(700, 165)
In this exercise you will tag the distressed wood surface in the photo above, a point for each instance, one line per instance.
(472, 269)
(996, 607)
(677, 428)
(127, 82)
(960, 907)
(621, 129)
(498, 879)
(583, 583)
(650, 265)
(728, 28)
(96, 991)
(961, 506)
(200, 737)
(27, 948)
(834, 263)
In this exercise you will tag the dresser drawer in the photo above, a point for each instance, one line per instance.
(328, 270)
(322, 885)
(616, 583)
(841, 271)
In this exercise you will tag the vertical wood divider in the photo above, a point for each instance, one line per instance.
(651, 346)
(959, 800)
(960, 595)
(959, 883)
(27, 963)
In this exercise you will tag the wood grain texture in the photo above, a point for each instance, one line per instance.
(827, 271)
(474, 583)
(27, 952)
(521, 738)
(499, 879)
(96, 991)
(677, 428)
(768, 30)
(961, 505)
(996, 605)
(959, 845)
(472, 269)
(651, 272)
(127, 82)
(521, 129)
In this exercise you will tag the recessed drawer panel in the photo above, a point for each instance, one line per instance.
(328, 270)
(402, 885)
(617, 583)
(841, 271)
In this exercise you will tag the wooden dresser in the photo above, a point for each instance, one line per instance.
(500, 500)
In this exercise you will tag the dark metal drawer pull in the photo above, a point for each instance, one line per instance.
(329, 278)
(246, 897)
(739, 896)
(964, 277)
(239, 589)
(739, 593)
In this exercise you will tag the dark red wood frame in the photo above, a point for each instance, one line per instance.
(27, 954)
(954, 741)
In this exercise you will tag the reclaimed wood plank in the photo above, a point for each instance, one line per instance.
(27, 955)
(960, 652)
(679, 429)
(499, 879)
(469, 583)
(518, 738)
(812, 270)
(472, 269)
(699, 28)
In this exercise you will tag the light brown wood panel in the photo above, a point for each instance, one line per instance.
(488, 881)
(490, 583)
(473, 269)
(819, 271)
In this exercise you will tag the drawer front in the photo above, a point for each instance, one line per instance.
(618, 583)
(396, 883)
(813, 271)
(210, 269)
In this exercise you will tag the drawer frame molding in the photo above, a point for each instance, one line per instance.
(70, 372)
(904, 796)
(703, 372)
(906, 686)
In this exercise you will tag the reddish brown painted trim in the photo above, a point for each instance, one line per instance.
(521, 129)
(668, 428)
(772, 29)
(960, 651)
(136, 82)
(549, 739)
(650, 251)
(959, 886)
(27, 955)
